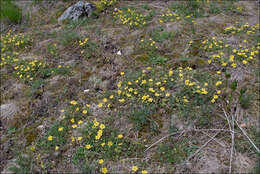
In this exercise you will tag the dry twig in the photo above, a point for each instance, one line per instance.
(245, 134)
(204, 145)
(163, 139)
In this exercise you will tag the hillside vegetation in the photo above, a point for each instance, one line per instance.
(138, 87)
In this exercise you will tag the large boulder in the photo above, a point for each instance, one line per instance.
(77, 10)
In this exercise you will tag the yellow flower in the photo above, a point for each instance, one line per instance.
(234, 65)
(84, 111)
(111, 96)
(100, 105)
(105, 100)
(167, 94)
(87, 105)
(143, 82)
(224, 64)
(88, 146)
(74, 126)
(101, 161)
(72, 139)
(98, 137)
(121, 100)
(120, 136)
(162, 88)
(103, 144)
(185, 100)
(73, 102)
(102, 126)
(218, 91)
(134, 168)
(231, 58)
(50, 138)
(143, 172)
(72, 120)
(150, 100)
(62, 110)
(57, 148)
(170, 73)
(215, 96)
(244, 62)
(60, 129)
(79, 138)
(122, 73)
(96, 123)
(110, 143)
(218, 83)
(32, 148)
(104, 170)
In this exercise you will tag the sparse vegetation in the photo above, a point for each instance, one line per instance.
(156, 87)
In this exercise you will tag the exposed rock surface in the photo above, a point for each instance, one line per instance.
(8, 112)
(77, 10)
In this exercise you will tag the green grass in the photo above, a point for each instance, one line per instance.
(68, 37)
(10, 11)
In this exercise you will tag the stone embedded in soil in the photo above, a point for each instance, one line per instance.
(77, 10)
(7, 115)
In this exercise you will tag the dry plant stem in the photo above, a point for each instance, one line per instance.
(163, 139)
(204, 145)
(232, 138)
(224, 130)
(232, 146)
(245, 134)
(214, 139)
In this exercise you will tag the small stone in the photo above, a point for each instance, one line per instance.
(119, 53)
(86, 90)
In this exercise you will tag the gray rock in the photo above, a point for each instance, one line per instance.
(8, 112)
(77, 10)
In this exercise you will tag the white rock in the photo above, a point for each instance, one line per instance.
(86, 90)
(119, 53)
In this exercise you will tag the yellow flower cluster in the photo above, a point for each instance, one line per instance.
(8, 59)
(10, 41)
(135, 169)
(243, 54)
(148, 44)
(169, 16)
(246, 28)
(82, 43)
(108, 3)
(27, 70)
(53, 49)
(213, 44)
(130, 17)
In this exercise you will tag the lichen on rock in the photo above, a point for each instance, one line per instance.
(77, 10)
